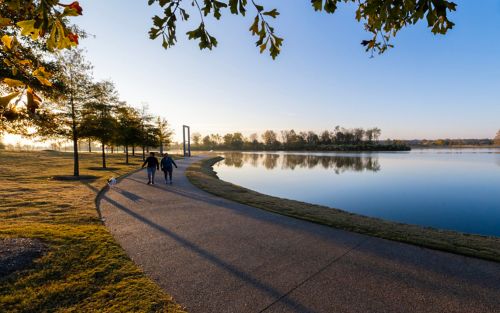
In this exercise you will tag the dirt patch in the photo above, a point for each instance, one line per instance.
(19, 253)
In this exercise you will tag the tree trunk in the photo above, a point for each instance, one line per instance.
(76, 164)
(161, 148)
(112, 149)
(133, 151)
(143, 153)
(103, 155)
(126, 154)
(90, 145)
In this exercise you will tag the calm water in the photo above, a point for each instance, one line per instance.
(450, 189)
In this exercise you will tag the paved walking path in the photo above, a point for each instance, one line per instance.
(214, 255)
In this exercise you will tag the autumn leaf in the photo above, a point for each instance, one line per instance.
(7, 41)
(13, 82)
(34, 101)
(72, 9)
(42, 76)
(4, 21)
(25, 62)
(5, 100)
(28, 29)
(73, 38)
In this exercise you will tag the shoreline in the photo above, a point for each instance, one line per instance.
(202, 175)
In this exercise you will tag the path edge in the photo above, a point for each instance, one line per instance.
(105, 188)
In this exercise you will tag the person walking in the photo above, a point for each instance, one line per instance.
(167, 168)
(153, 165)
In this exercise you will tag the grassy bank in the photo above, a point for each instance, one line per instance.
(202, 175)
(84, 269)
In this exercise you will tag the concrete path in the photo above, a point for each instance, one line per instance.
(214, 255)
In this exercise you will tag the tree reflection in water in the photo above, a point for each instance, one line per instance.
(339, 163)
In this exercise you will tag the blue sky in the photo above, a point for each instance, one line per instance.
(426, 87)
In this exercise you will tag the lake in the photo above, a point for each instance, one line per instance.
(456, 189)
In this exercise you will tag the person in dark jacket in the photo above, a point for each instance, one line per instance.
(167, 168)
(153, 165)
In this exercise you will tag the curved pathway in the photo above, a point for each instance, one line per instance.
(215, 255)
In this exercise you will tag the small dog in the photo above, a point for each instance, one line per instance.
(111, 182)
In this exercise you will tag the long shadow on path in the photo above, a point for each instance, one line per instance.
(214, 259)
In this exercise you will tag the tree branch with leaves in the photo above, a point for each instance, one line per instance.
(383, 19)
(30, 32)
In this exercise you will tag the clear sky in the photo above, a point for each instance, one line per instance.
(426, 87)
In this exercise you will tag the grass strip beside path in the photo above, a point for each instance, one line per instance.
(84, 269)
(202, 175)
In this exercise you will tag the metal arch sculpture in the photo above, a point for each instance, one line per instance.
(187, 152)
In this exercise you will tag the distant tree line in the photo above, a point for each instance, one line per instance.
(338, 139)
(422, 143)
(338, 163)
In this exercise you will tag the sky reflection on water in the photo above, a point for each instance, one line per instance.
(450, 189)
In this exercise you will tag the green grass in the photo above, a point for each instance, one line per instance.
(84, 269)
(201, 174)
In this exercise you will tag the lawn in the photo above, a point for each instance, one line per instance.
(83, 269)
(201, 174)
